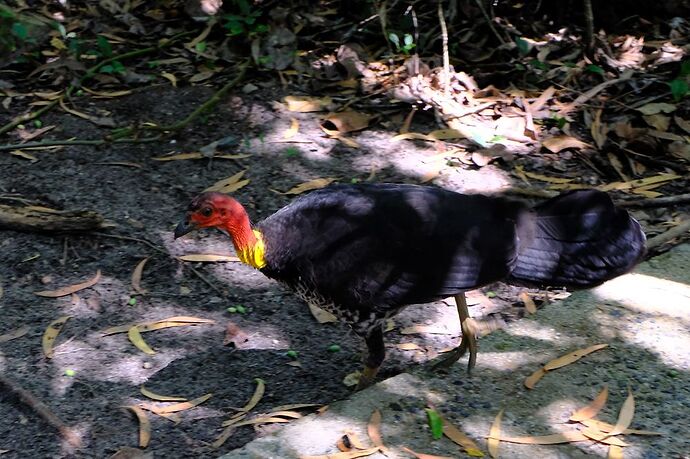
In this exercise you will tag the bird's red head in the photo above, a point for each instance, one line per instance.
(212, 210)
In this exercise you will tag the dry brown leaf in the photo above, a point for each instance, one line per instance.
(682, 123)
(445, 134)
(353, 440)
(229, 184)
(296, 406)
(424, 455)
(261, 420)
(572, 357)
(352, 379)
(345, 454)
(51, 334)
(304, 104)
(625, 416)
(344, 122)
(528, 302)
(25, 155)
(207, 258)
(431, 329)
(106, 94)
(136, 276)
(253, 401)
(615, 452)
(144, 425)
(606, 427)
(180, 157)
(602, 437)
(659, 122)
(460, 438)
(598, 129)
(408, 346)
(561, 142)
(234, 335)
(310, 185)
(656, 107)
(175, 321)
(14, 334)
(135, 337)
(374, 430)
(591, 410)
(174, 408)
(161, 398)
(284, 414)
(552, 439)
(64, 291)
(292, 130)
(493, 441)
(321, 315)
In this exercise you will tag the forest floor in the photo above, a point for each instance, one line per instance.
(616, 129)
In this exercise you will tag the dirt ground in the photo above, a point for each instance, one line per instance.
(91, 376)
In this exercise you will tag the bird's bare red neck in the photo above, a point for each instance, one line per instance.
(239, 227)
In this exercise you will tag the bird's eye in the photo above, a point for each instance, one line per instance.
(206, 211)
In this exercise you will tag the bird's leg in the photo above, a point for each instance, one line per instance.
(469, 337)
(376, 352)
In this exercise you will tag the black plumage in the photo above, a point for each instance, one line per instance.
(365, 251)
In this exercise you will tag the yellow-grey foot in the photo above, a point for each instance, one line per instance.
(367, 377)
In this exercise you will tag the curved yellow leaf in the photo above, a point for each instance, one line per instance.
(135, 337)
(625, 416)
(64, 291)
(591, 410)
(572, 357)
(494, 435)
(51, 333)
(144, 425)
(136, 276)
(161, 398)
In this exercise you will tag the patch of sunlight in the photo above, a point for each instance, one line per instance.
(509, 361)
(656, 315)
(534, 330)
(86, 362)
(648, 294)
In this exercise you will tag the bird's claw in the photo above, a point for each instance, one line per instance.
(367, 377)
(468, 343)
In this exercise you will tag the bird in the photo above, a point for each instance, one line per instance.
(365, 251)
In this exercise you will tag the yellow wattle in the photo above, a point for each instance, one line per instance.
(254, 255)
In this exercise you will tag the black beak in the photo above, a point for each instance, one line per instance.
(184, 227)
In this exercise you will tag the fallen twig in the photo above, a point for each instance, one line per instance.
(666, 201)
(663, 238)
(69, 434)
(61, 143)
(34, 218)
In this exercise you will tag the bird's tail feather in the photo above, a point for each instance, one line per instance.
(577, 240)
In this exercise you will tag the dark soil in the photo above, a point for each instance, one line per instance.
(145, 202)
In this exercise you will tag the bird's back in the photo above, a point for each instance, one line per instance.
(376, 247)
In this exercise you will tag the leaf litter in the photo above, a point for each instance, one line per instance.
(68, 290)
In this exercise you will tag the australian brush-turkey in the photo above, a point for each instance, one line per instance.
(363, 252)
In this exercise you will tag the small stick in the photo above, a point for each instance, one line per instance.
(446, 58)
(657, 202)
(70, 435)
(667, 236)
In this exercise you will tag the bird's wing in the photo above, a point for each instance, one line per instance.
(391, 246)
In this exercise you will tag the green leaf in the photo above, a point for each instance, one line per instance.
(104, 46)
(19, 30)
(522, 45)
(200, 47)
(292, 354)
(333, 348)
(393, 37)
(435, 423)
(594, 69)
(679, 89)
(408, 40)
